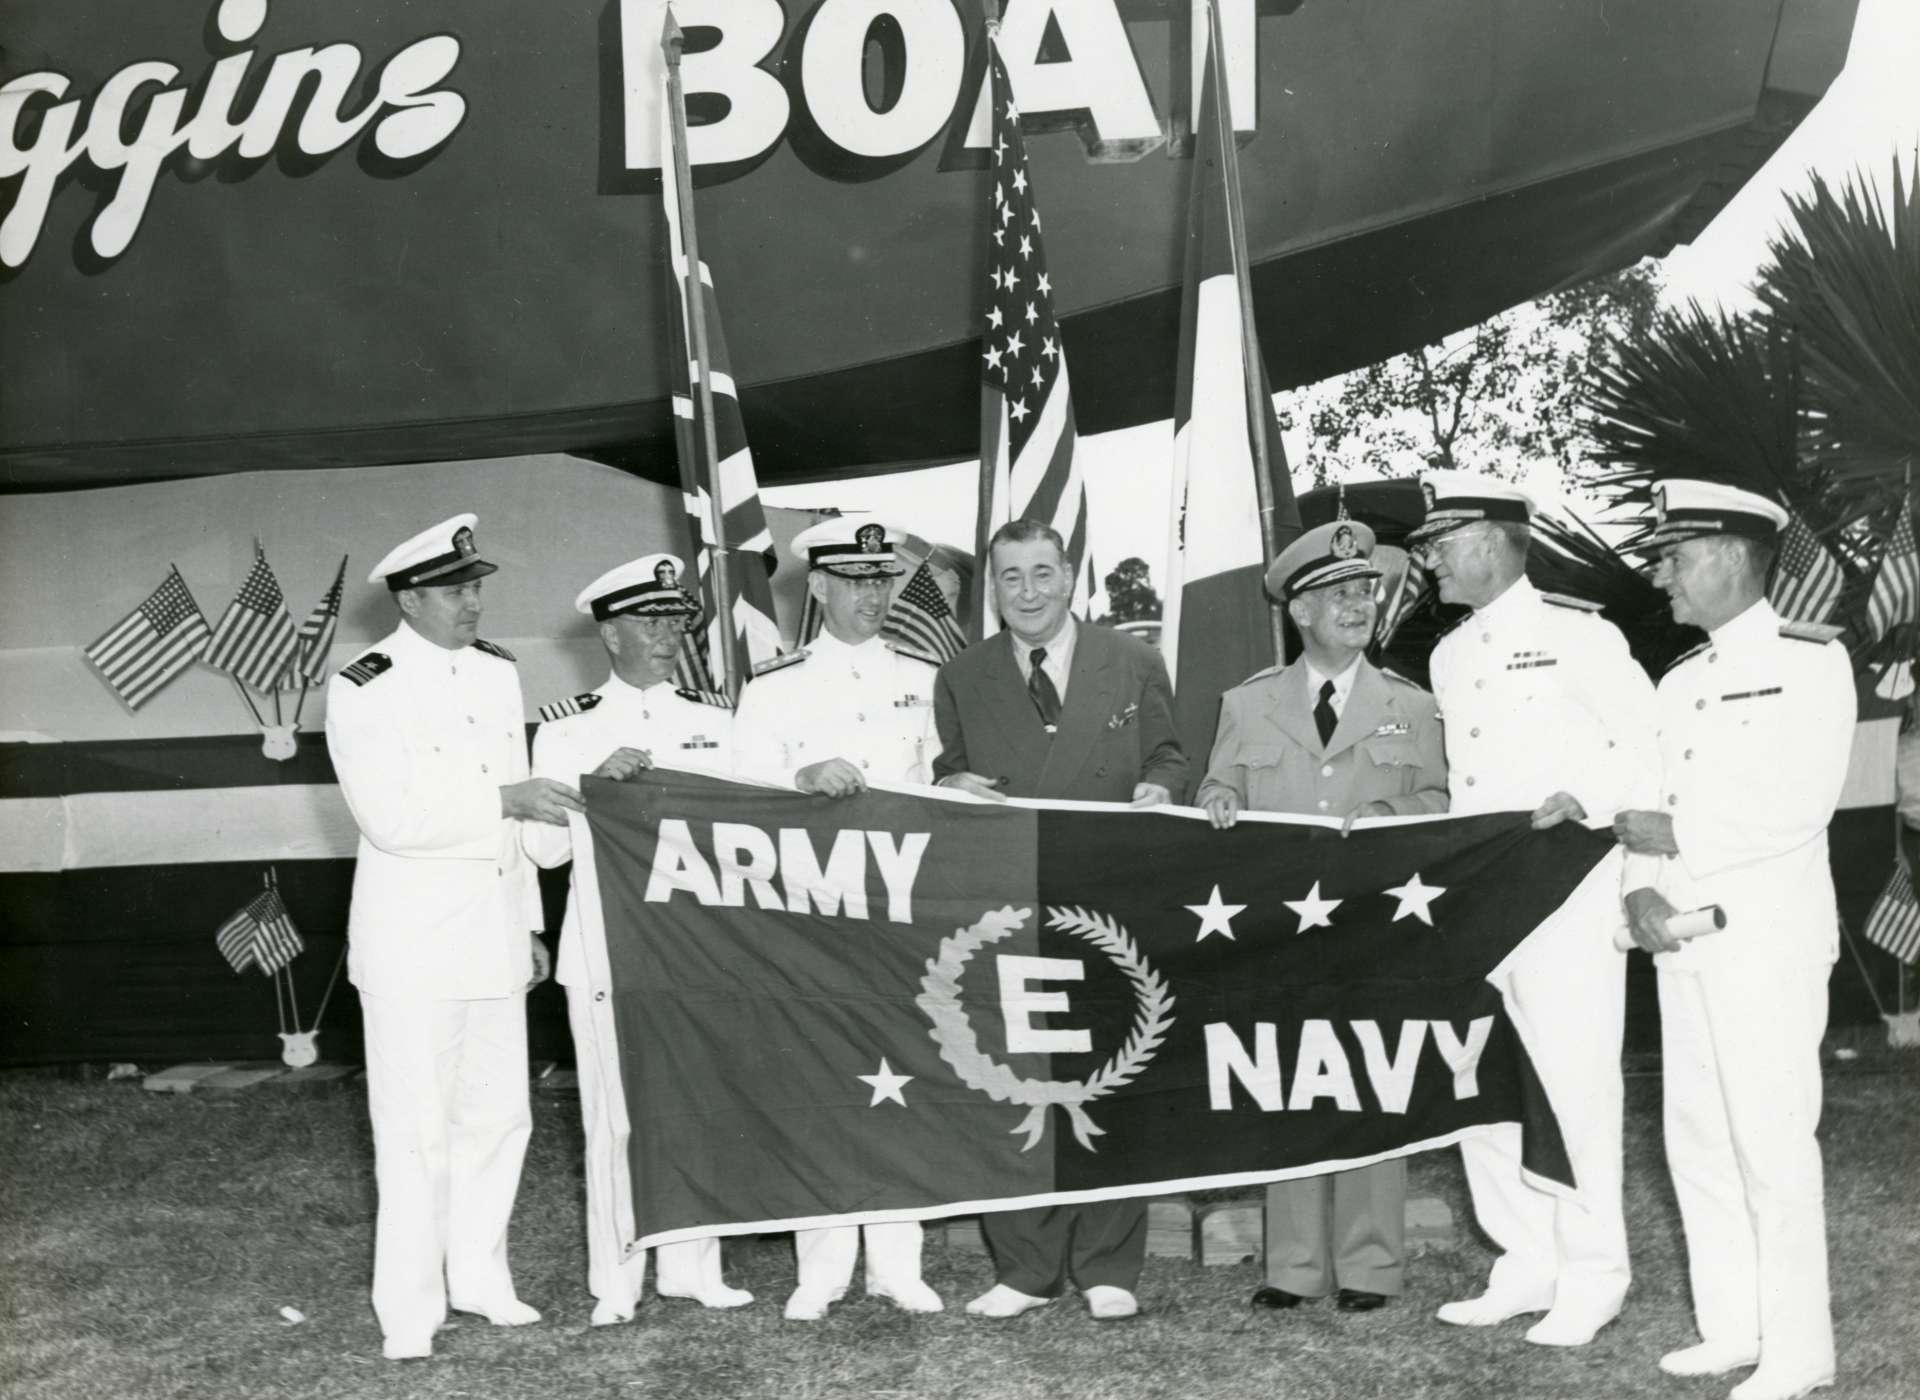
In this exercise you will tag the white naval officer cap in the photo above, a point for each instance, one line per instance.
(849, 546)
(1456, 499)
(1321, 557)
(649, 586)
(1689, 509)
(438, 557)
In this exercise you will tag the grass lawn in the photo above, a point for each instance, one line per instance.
(148, 1243)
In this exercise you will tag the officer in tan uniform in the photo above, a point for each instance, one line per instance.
(1548, 714)
(1329, 735)
(848, 710)
(428, 736)
(635, 720)
(1755, 730)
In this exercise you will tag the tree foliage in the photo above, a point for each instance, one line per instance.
(1130, 593)
(1494, 398)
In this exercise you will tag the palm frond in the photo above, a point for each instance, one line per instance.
(1845, 282)
(1704, 395)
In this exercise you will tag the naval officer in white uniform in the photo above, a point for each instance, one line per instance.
(848, 710)
(428, 736)
(1545, 711)
(1755, 728)
(635, 720)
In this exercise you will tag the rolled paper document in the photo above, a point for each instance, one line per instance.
(1709, 918)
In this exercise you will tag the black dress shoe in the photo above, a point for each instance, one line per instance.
(1359, 1300)
(1267, 1296)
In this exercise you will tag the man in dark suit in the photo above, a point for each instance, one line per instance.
(1056, 710)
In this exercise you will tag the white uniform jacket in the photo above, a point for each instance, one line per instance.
(675, 731)
(422, 739)
(1539, 696)
(1755, 729)
(869, 704)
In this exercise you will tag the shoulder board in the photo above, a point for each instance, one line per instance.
(1262, 674)
(1811, 631)
(572, 705)
(1399, 679)
(780, 662)
(911, 654)
(1674, 665)
(493, 649)
(704, 697)
(374, 663)
(1566, 600)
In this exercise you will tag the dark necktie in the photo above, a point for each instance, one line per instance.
(1324, 719)
(1040, 686)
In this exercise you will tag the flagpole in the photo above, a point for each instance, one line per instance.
(672, 40)
(977, 590)
(1243, 284)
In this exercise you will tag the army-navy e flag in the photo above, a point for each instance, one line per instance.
(896, 1007)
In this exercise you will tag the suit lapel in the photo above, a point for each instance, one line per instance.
(1084, 711)
(1006, 695)
(1369, 705)
(1292, 712)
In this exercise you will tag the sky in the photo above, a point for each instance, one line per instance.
(1871, 111)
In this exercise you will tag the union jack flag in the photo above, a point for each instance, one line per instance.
(1027, 436)
(721, 655)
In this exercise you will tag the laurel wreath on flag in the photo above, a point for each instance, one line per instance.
(960, 1047)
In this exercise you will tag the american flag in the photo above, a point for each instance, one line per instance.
(260, 932)
(1894, 923)
(153, 643)
(1027, 437)
(255, 639)
(316, 635)
(1896, 588)
(722, 656)
(1806, 580)
(921, 622)
(1412, 585)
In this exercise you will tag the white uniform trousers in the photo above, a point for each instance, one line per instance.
(1567, 992)
(684, 1270)
(447, 1095)
(1741, 1046)
(826, 1257)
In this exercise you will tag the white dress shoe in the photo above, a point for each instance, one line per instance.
(1567, 1327)
(1488, 1309)
(609, 1314)
(912, 1295)
(808, 1305)
(1779, 1383)
(1710, 1358)
(509, 1312)
(715, 1295)
(1109, 1304)
(1002, 1301)
(406, 1348)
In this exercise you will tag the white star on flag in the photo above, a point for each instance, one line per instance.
(1416, 899)
(1216, 916)
(886, 1085)
(1314, 911)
